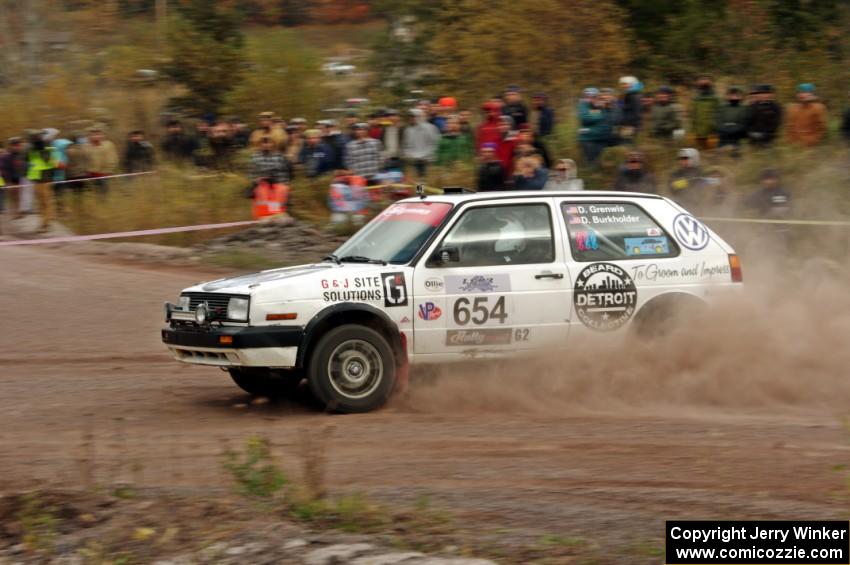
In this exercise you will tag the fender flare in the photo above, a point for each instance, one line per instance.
(662, 306)
(309, 334)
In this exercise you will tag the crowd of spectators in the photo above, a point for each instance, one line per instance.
(508, 144)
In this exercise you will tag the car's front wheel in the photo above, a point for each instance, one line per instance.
(259, 381)
(352, 369)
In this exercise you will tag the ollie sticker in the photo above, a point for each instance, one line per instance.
(605, 297)
(434, 285)
(690, 232)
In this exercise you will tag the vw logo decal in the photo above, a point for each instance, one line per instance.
(690, 232)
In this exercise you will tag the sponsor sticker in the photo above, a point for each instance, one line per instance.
(354, 289)
(646, 245)
(587, 241)
(500, 336)
(478, 284)
(605, 297)
(404, 320)
(429, 311)
(653, 232)
(431, 213)
(371, 295)
(434, 285)
(690, 232)
(395, 289)
(652, 272)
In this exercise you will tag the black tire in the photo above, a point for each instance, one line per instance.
(352, 369)
(258, 381)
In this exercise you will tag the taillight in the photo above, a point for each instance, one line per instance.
(735, 267)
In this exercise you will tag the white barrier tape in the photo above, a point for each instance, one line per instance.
(790, 222)
(115, 235)
(84, 179)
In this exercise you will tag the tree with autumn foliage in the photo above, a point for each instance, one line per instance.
(474, 48)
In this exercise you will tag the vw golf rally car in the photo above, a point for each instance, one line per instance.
(447, 278)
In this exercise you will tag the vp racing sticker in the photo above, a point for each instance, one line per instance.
(605, 297)
(690, 232)
(429, 311)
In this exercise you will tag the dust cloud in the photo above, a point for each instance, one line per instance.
(783, 345)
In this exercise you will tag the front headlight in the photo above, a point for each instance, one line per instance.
(237, 309)
(183, 303)
(202, 313)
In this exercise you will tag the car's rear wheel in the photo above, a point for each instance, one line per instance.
(352, 369)
(259, 381)
(665, 314)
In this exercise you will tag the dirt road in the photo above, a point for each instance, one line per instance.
(605, 446)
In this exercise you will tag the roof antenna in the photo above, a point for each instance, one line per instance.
(420, 190)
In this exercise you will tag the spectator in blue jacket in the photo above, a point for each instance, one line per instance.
(530, 174)
(630, 107)
(316, 157)
(594, 132)
(545, 115)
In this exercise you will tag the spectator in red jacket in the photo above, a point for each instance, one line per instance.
(488, 131)
(507, 144)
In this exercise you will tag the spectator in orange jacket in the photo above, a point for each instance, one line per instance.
(806, 118)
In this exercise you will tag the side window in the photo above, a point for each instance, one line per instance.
(604, 231)
(502, 235)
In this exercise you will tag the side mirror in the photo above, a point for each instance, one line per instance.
(444, 256)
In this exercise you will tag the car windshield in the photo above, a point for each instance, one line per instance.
(396, 234)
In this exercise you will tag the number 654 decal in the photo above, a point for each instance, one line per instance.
(478, 311)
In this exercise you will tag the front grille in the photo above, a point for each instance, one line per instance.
(216, 301)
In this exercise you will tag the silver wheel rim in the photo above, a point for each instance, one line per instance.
(355, 368)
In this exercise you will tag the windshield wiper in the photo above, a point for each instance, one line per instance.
(331, 257)
(361, 259)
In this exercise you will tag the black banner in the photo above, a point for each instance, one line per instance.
(756, 542)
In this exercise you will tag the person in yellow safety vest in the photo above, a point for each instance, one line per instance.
(41, 162)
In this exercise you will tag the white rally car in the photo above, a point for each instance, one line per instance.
(452, 277)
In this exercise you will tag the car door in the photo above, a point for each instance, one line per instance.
(612, 241)
(494, 282)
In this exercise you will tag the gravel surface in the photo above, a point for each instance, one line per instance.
(88, 396)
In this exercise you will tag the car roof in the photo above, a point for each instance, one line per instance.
(463, 197)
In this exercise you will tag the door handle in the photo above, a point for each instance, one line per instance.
(549, 276)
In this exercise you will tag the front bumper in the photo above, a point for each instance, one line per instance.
(229, 346)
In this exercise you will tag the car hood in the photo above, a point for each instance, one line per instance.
(304, 279)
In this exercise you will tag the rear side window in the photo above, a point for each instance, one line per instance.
(605, 231)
